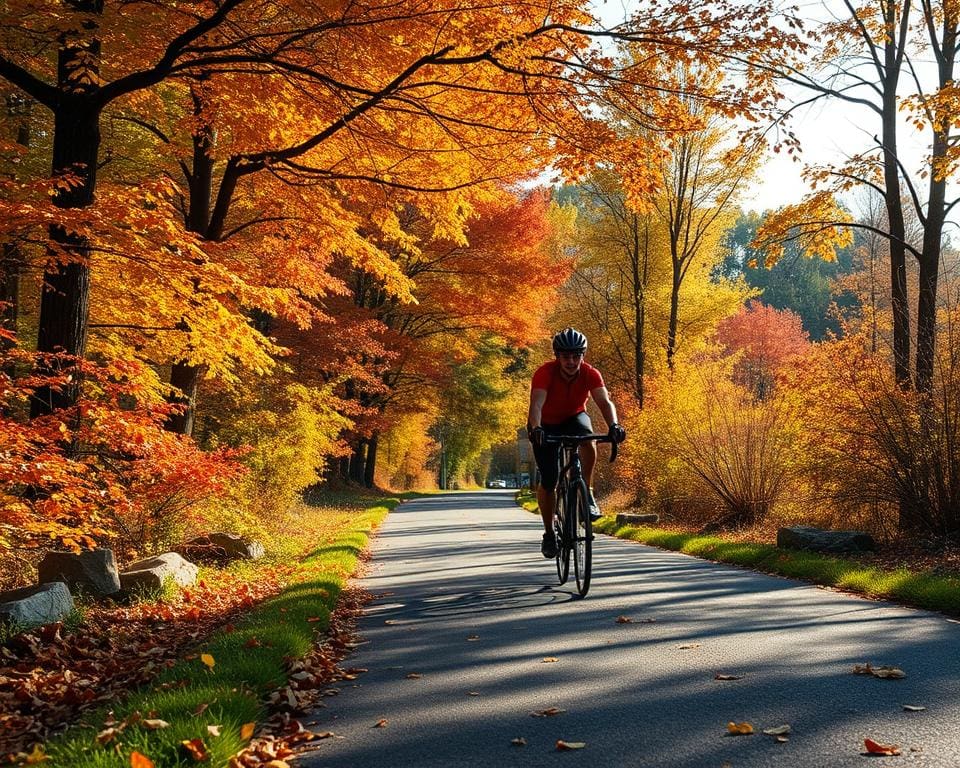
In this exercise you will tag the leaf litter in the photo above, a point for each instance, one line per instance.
(885, 672)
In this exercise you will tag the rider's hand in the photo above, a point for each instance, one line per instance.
(617, 433)
(536, 436)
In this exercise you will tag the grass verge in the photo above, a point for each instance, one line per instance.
(223, 682)
(920, 589)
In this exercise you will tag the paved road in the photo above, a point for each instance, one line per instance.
(465, 602)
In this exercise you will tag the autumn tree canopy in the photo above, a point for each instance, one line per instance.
(315, 209)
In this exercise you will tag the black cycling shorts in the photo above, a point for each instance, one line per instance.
(547, 456)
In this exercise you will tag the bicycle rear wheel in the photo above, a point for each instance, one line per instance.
(559, 528)
(582, 536)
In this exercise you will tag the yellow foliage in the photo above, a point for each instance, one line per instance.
(293, 431)
(817, 224)
(704, 444)
(403, 452)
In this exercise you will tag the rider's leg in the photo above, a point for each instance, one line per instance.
(588, 459)
(547, 501)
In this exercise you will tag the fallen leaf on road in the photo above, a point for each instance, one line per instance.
(562, 745)
(624, 620)
(891, 673)
(885, 672)
(875, 748)
(549, 659)
(277, 764)
(739, 729)
(548, 712)
(687, 646)
(471, 638)
(381, 723)
(722, 676)
(519, 741)
(473, 693)
(780, 730)
(912, 708)
(414, 676)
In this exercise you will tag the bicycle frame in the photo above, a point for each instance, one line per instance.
(572, 521)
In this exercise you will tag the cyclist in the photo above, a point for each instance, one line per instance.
(558, 400)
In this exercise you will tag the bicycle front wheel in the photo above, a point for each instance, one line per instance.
(560, 528)
(582, 536)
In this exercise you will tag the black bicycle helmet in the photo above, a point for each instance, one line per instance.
(569, 340)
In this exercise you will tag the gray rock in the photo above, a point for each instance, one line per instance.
(628, 518)
(819, 540)
(149, 574)
(237, 546)
(32, 606)
(93, 571)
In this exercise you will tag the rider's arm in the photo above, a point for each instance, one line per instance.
(537, 398)
(602, 398)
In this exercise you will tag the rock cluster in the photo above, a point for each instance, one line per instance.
(93, 573)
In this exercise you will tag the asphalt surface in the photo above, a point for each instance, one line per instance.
(467, 611)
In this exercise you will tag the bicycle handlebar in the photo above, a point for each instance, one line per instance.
(574, 440)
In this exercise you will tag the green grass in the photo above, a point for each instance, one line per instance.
(921, 589)
(250, 661)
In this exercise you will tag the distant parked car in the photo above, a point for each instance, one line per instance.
(496, 484)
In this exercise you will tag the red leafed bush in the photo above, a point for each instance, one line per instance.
(102, 472)
(766, 338)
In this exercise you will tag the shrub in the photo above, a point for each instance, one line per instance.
(879, 448)
(706, 438)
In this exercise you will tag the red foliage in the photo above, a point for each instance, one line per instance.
(766, 338)
(73, 476)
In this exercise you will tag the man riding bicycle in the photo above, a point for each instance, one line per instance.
(558, 400)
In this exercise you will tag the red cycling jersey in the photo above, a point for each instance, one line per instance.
(564, 398)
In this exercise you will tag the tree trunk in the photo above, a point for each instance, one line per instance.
(65, 304)
(640, 274)
(358, 462)
(894, 204)
(674, 315)
(186, 379)
(933, 225)
(927, 317)
(371, 466)
(184, 376)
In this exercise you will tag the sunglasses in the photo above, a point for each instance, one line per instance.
(570, 355)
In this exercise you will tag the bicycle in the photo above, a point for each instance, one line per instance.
(571, 522)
